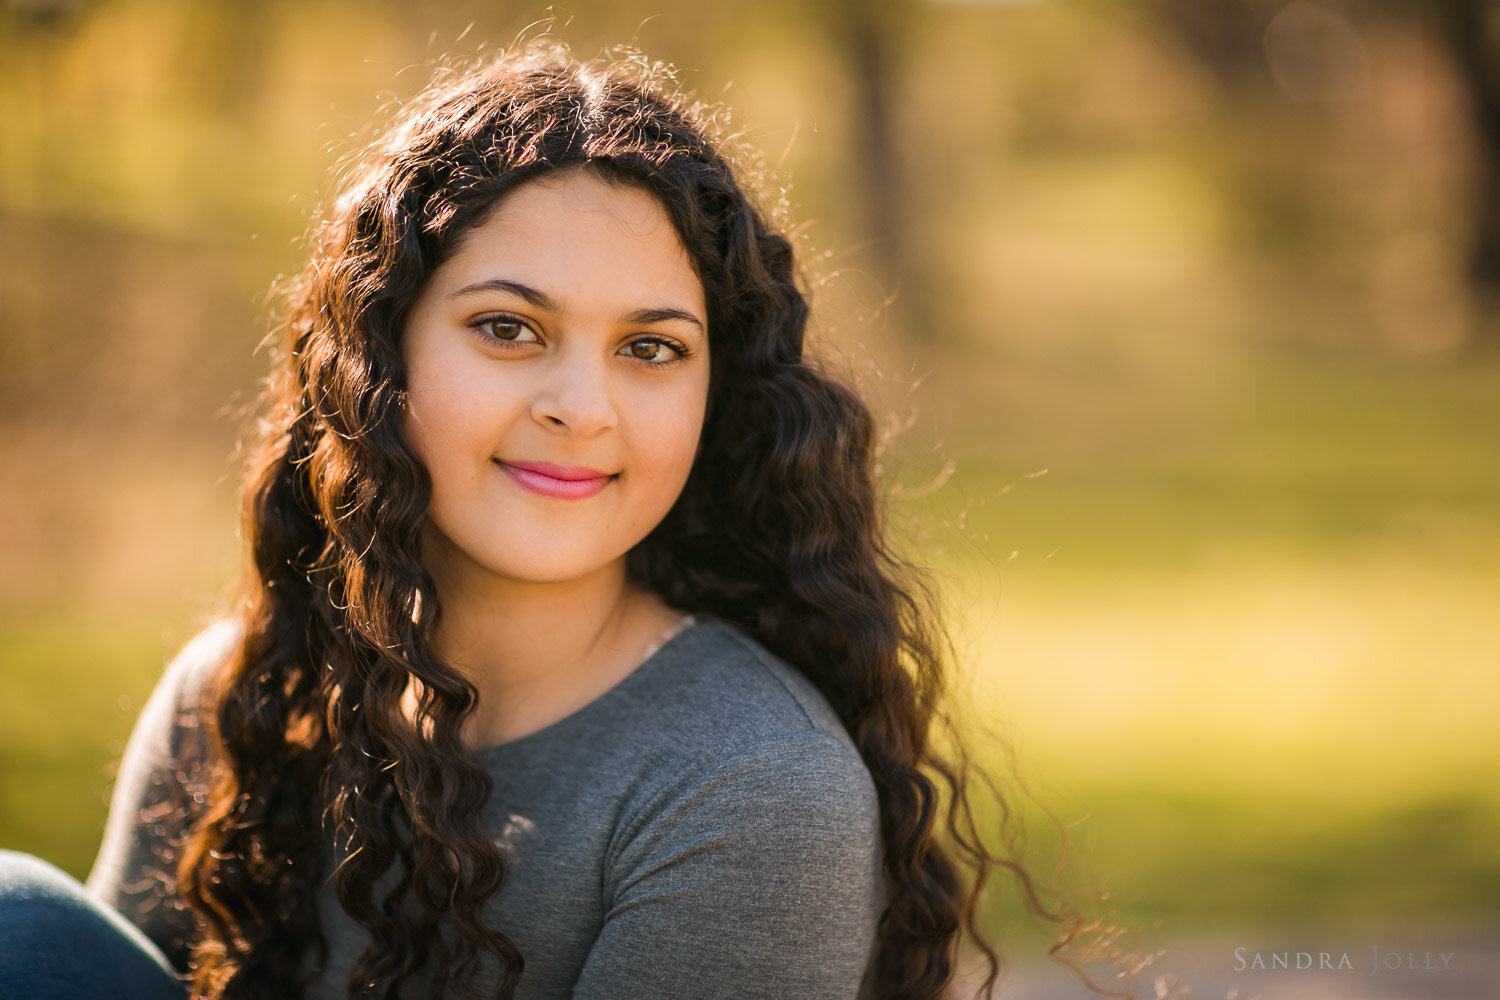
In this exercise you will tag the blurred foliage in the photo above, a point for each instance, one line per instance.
(1208, 265)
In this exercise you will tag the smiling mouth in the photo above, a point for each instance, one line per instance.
(558, 482)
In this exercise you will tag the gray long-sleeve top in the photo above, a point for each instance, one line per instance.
(704, 829)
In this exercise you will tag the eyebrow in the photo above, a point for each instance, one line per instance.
(533, 296)
(658, 315)
(541, 300)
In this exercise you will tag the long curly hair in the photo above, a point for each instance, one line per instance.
(778, 530)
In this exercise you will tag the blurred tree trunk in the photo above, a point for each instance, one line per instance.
(1223, 35)
(868, 34)
(1226, 37)
(1467, 30)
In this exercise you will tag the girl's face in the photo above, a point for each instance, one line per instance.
(557, 370)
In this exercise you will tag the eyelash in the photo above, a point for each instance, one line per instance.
(481, 326)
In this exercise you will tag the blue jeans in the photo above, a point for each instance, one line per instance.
(59, 943)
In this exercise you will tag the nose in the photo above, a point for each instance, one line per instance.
(574, 396)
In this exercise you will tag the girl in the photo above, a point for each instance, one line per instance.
(574, 661)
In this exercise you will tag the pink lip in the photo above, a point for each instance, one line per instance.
(560, 482)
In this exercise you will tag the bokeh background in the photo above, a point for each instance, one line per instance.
(1183, 317)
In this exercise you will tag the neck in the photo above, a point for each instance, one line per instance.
(537, 652)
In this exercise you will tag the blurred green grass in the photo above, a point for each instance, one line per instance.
(74, 684)
(1246, 650)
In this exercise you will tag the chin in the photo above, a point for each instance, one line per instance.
(545, 567)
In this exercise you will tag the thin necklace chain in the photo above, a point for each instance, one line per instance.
(679, 625)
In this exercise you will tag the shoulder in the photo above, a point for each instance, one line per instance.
(717, 684)
(188, 680)
(153, 796)
(739, 744)
(748, 857)
(717, 705)
(180, 697)
(192, 670)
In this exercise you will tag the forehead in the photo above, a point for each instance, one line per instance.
(570, 231)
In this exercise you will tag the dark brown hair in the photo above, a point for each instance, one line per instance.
(778, 530)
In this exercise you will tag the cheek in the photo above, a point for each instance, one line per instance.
(668, 438)
(444, 418)
(426, 423)
(663, 444)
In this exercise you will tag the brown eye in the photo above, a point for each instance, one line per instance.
(656, 350)
(507, 329)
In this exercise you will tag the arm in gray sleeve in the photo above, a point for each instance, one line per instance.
(135, 870)
(759, 878)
